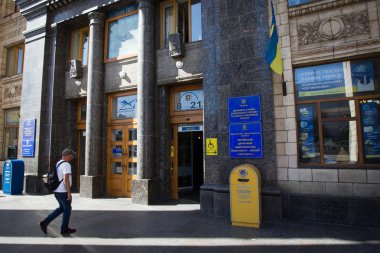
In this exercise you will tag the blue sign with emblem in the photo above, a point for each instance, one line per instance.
(244, 109)
(28, 138)
(246, 140)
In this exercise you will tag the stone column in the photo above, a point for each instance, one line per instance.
(144, 189)
(91, 182)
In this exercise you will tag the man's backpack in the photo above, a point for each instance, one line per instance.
(53, 181)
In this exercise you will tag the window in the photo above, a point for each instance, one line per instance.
(181, 16)
(79, 45)
(122, 33)
(10, 138)
(15, 60)
(292, 3)
(124, 107)
(338, 113)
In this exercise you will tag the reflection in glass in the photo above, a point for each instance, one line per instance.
(183, 20)
(339, 109)
(169, 23)
(370, 119)
(185, 165)
(20, 56)
(83, 111)
(196, 21)
(308, 134)
(123, 36)
(117, 135)
(132, 134)
(132, 168)
(132, 151)
(85, 49)
(75, 45)
(340, 142)
(116, 168)
(117, 151)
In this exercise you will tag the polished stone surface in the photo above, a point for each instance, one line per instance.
(91, 186)
(144, 191)
(235, 67)
(95, 96)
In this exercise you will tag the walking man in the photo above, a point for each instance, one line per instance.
(62, 194)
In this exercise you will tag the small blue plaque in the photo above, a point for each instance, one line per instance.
(244, 109)
(246, 140)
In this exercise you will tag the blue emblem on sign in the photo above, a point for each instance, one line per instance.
(243, 172)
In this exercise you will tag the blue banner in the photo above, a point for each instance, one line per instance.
(246, 140)
(244, 109)
(28, 138)
(320, 80)
(370, 124)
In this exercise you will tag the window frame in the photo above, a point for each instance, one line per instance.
(188, 116)
(174, 3)
(108, 21)
(360, 164)
(9, 127)
(81, 31)
(14, 69)
(112, 121)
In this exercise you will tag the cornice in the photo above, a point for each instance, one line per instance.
(334, 52)
(318, 7)
(31, 9)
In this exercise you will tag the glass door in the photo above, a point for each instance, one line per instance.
(122, 160)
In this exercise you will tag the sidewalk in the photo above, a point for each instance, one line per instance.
(116, 225)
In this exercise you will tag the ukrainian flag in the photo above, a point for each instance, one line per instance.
(273, 52)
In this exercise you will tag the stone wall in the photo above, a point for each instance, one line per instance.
(12, 24)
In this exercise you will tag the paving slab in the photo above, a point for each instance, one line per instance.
(118, 225)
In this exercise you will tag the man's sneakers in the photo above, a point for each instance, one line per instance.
(43, 227)
(68, 231)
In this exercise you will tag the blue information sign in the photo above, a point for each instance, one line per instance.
(28, 138)
(244, 109)
(246, 140)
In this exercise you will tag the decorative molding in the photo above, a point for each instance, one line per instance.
(333, 52)
(333, 28)
(318, 7)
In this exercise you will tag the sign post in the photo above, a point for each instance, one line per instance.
(245, 196)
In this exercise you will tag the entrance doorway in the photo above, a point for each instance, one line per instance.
(122, 159)
(188, 166)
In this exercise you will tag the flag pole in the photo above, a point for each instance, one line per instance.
(284, 90)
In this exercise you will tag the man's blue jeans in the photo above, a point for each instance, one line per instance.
(64, 207)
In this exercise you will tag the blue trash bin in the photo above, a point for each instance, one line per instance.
(13, 177)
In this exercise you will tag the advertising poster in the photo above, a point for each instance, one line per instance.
(362, 75)
(370, 124)
(306, 132)
(320, 80)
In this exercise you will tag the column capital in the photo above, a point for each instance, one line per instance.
(96, 17)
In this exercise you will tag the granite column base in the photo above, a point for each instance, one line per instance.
(91, 186)
(144, 191)
(35, 184)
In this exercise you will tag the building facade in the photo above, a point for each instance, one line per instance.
(145, 91)
(12, 24)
